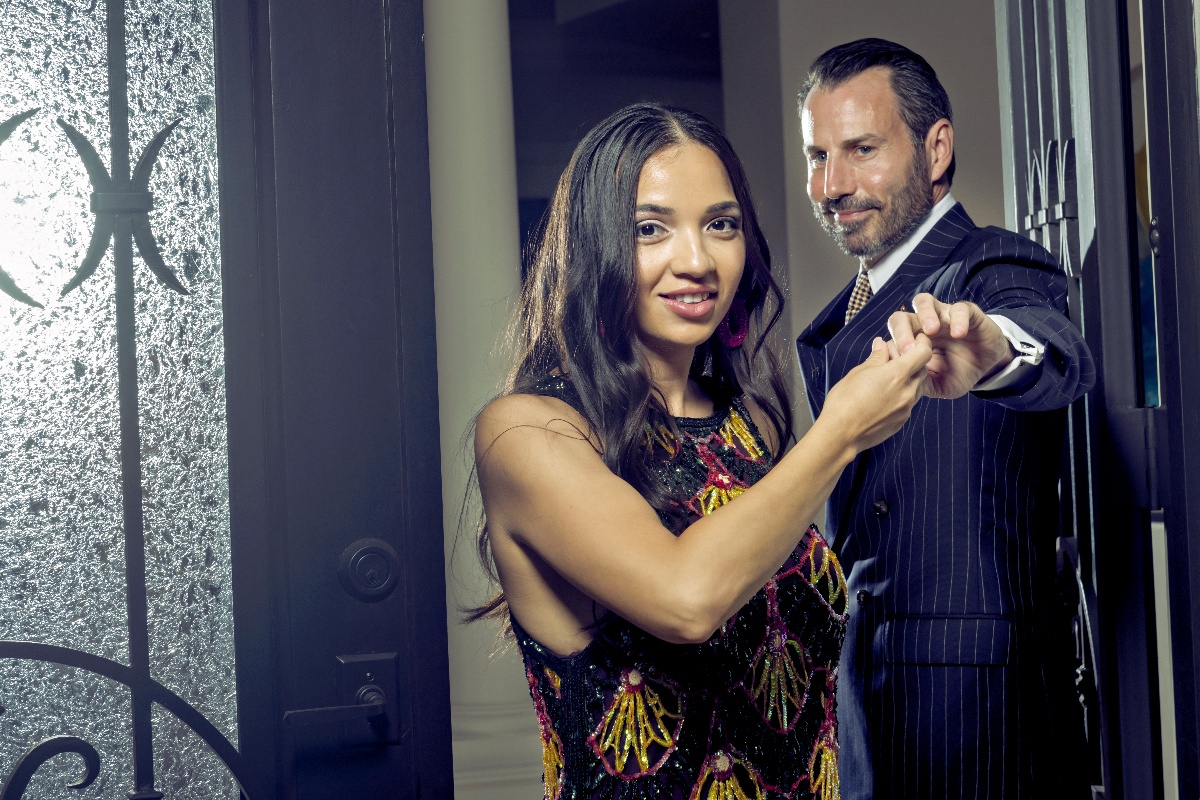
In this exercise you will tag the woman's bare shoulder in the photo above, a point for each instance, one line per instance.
(525, 415)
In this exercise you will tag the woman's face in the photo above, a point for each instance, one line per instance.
(690, 249)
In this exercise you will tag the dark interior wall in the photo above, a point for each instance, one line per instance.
(568, 76)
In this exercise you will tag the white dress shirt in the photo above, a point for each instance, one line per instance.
(1029, 350)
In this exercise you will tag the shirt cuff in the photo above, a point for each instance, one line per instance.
(1029, 356)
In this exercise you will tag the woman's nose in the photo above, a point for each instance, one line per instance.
(693, 256)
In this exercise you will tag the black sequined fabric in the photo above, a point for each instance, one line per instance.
(747, 715)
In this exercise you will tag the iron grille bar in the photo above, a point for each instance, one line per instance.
(127, 390)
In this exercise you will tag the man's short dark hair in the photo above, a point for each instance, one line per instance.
(919, 93)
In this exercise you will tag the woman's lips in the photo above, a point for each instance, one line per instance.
(691, 310)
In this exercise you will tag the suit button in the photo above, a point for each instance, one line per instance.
(881, 508)
(864, 598)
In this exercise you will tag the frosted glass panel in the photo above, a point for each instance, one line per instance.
(61, 559)
(62, 530)
(185, 768)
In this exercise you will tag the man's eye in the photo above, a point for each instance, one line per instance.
(818, 158)
(865, 150)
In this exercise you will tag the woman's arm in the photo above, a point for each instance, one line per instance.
(546, 490)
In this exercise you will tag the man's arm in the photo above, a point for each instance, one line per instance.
(1027, 289)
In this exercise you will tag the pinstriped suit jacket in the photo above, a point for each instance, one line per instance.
(954, 680)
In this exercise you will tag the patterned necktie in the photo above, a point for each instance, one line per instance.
(859, 297)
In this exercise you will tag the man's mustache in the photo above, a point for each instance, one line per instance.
(848, 203)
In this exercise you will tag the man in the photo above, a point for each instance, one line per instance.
(951, 683)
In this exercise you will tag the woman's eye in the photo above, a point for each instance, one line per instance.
(725, 224)
(648, 230)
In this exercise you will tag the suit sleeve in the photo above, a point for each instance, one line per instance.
(1012, 276)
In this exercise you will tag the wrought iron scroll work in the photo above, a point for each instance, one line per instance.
(131, 199)
(121, 201)
(155, 691)
(7, 284)
(18, 781)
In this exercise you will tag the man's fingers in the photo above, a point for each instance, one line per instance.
(960, 318)
(930, 312)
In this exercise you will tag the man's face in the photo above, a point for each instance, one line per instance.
(869, 186)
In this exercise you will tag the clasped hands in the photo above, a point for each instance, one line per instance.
(968, 346)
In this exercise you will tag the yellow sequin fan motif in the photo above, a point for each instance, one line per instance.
(825, 573)
(823, 763)
(779, 675)
(552, 748)
(659, 436)
(726, 777)
(737, 433)
(719, 488)
(555, 681)
(642, 721)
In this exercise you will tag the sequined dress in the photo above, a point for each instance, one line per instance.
(747, 715)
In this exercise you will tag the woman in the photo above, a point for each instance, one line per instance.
(668, 653)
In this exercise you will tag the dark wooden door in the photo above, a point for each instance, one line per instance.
(329, 625)
(336, 502)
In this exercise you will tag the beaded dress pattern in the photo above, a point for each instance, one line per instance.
(747, 715)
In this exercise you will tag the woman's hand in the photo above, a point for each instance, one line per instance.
(875, 398)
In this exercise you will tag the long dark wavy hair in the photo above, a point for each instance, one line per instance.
(576, 317)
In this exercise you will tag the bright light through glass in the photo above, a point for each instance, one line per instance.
(44, 217)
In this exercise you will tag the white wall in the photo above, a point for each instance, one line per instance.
(497, 751)
(758, 112)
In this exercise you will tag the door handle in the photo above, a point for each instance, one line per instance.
(370, 703)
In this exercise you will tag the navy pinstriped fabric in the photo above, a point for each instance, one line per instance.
(954, 680)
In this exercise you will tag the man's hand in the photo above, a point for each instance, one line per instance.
(968, 346)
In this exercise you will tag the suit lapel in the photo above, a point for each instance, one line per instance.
(828, 348)
(810, 345)
(932, 251)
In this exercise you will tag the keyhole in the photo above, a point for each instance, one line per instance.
(369, 569)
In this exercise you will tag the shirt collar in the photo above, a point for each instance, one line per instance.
(886, 266)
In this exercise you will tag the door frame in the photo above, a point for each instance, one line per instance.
(1173, 149)
(1127, 460)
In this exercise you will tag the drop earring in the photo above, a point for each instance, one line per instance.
(736, 323)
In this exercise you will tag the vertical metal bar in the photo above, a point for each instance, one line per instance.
(1012, 109)
(127, 388)
(1028, 99)
(1043, 53)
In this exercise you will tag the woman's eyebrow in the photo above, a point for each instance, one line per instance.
(715, 208)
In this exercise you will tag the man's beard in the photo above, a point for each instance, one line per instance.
(900, 213)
